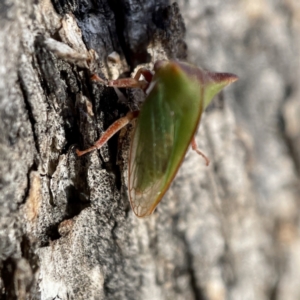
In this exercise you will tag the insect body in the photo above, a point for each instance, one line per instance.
(165, 127)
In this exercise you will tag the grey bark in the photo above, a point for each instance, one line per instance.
(229, 231)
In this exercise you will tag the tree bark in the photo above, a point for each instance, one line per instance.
(227, 231)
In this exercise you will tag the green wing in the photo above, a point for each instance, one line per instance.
(164, 129)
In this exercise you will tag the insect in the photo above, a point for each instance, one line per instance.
(177, 94)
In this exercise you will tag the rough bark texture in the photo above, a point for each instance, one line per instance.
(229, 231)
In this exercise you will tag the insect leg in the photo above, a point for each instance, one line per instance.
(195, 148)
(111, 130)
(122, 83)
(128, 82)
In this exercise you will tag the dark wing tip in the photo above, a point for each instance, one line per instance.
(226, 78)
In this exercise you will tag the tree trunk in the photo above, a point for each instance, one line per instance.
(227, 231)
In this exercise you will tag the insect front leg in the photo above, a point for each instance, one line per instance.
(195, 148)
(128, 82)
(111, 130)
